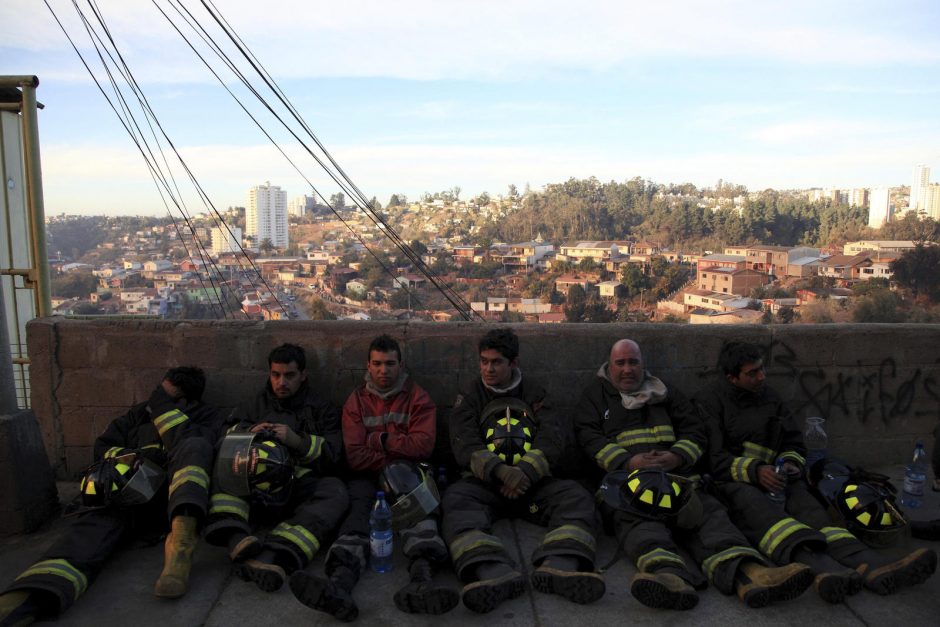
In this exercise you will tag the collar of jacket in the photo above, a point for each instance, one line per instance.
(513, 383)
(741, 395)
(651, 391)
(395, 389)
(291, 403)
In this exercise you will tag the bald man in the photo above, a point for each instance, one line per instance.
(628, 420)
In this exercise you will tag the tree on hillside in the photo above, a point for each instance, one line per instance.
(74, 285)
(918, 270)
(878, 306)
(575, 304)
(633, 279)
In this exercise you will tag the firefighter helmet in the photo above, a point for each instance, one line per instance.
(255, 465)
(128, 479)
(864, 501)
(508, 429)
(650, 493)
(411, 490)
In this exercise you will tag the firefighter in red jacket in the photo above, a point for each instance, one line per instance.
(387, 418)
(126, 495)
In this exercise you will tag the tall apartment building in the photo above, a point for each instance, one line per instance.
(858, 197)
(266, 215)
(301, 206)
(932, 200)
(224, 241)
(879, 213)
(919, 186)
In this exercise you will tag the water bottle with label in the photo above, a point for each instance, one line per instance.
(815, 440)
(915, 476)
(781, 496)
(380, 535)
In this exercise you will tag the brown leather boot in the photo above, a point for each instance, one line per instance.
(663, 591)
(758, 585)
(178, 558)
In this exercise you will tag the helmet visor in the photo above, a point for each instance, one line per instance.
(233, 464)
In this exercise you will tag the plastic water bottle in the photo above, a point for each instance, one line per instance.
(815, 440)
(915, 476)
(781, 496)
(380, 535)
(441, 479)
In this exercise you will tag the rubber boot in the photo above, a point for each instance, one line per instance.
(887, 578)
(242, 547)
(833, 581)
(264, 571)
(17, 608)
(758, 585)
(663, 591)
(560, 575)
(177, 558)
(497, 582)
(332, 596)
(421, 596)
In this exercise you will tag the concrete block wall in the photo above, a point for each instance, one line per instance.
(878, 386)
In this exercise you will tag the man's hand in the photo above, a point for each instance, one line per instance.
(515, 482)
(659, 460)
(282, 433)
(768, 478)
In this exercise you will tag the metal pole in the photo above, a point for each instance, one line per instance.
(34, 199)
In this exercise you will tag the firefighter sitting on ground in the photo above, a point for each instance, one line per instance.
(273, 469)
(125, 496)
(388, 422)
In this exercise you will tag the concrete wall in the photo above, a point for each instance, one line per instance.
(878, 386)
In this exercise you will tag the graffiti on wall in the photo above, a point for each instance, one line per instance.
(864, 393)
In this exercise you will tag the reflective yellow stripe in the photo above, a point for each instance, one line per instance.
(690, 448)
(114, 451)
(570, 532)
(834, 534)
(471, 540)
(657, 556)
(662, 433)
(314, 450)
(58, 568)
(165, 422)
(762, 453)
(711, 563)
(740, 469)
(479, 460)
(299, 537)
(194, 474)
(300, 471)
(227, 504)
(537, 460)
(608, 455)
(794, 456)
(778, 533)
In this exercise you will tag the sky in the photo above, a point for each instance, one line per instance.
(421, 96)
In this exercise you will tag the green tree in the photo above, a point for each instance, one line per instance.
(74, 285)
(338, 201)
(266, 246)
(317, 310)
(918, 270)
(576, 304)
(880, 306)
(633, 279)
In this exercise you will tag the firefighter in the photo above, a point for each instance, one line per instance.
(749, 429)
(387, 419)
(304, 509)
(636, 429)
(506, 438)
(125, 495)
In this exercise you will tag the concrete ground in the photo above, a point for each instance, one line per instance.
(123, 596)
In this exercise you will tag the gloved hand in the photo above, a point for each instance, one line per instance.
(160, 401)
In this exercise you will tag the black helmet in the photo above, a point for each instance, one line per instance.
(255, 465)
(508, 429)
(128, 479)
(864, 501)
(649, 493)
(411, 490)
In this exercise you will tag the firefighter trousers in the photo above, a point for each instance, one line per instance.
(778, 529)
(713, 542)
(314, 510)
(472, 506)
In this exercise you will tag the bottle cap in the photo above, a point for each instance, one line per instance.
(380, 494)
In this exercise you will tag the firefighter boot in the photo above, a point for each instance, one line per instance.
(17, 608)
(421, 596)
(333, 595)
(887, 578)
(497, 582)
(663, 591)
(758, 585)
(559, 575)
(178, 558)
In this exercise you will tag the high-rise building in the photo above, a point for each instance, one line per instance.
(226, 240)
(919, 186)
(932, 201)
(858, 197)
(301, 206)
(879, 213)
(266, 215)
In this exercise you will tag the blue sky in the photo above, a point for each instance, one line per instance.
(423, 96)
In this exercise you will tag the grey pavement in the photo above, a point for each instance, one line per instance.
(122, 595)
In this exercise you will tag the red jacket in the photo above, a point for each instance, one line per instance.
(409, 418)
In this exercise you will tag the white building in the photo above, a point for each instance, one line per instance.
(932, 201)
(266, 215)
(879, 212)
(300, 206)
(919, 186)
(226, 240)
